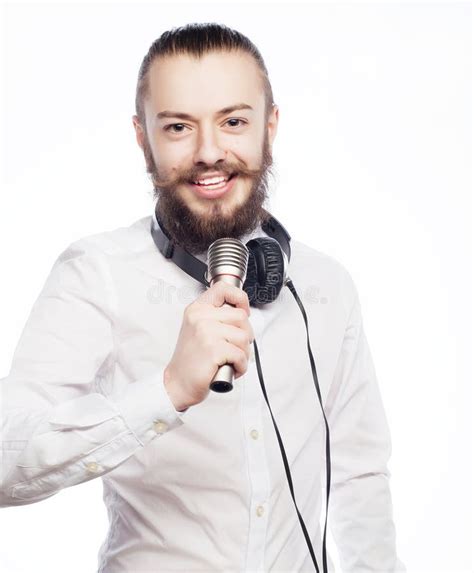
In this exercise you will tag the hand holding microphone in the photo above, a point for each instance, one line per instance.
(212, 334)
(227, 262)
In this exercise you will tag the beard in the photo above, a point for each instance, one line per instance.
(195, 232)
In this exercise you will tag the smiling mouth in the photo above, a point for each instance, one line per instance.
(217, 188)
(214, 182)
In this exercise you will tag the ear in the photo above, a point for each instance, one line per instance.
(139, 131)
(272, 124)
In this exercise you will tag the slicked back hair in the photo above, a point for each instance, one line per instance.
(198, 40)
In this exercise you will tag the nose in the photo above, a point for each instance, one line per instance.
(208, 148)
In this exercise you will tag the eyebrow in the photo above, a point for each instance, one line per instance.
(223, 111)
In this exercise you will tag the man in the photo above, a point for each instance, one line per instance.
(111, 375)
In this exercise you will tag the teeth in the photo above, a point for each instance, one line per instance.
(210, 181)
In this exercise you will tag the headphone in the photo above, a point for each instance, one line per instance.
(267, 265)
(267, 269)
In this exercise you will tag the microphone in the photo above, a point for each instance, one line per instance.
(227, 262)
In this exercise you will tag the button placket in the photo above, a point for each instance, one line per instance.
(256, 456)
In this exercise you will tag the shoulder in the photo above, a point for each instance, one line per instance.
(87, 262)
(121, 241)
(323, 274)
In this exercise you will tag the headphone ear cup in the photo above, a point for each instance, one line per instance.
(265, 270)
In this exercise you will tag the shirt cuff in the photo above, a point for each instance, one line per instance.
(147, 408)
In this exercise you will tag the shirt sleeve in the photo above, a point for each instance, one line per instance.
(360, 508)
(58, 428)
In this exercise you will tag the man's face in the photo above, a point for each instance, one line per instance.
(205, 118)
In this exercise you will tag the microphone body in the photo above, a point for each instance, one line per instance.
(227, 262)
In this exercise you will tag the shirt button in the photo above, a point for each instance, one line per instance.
(254, 434)
(160, 427)
(260, 510)
(92, 467)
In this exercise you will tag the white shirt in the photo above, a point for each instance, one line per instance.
(204, 490)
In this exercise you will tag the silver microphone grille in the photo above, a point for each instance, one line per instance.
(227, 257)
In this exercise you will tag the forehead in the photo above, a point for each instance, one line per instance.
(199, 85)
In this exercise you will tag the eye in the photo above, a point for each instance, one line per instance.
(171, 127)
(235, 119)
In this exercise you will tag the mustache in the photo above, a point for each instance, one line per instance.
(195, 173)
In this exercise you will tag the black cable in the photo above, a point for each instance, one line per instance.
(291, 286)
(285, 459)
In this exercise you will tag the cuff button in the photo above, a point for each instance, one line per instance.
(93, 467)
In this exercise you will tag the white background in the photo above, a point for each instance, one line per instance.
(373, 158)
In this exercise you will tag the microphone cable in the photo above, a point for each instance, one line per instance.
(291, 286)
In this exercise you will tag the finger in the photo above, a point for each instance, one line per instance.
(235, 336)
(233, 316)
(230, 354)
(220, 293)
